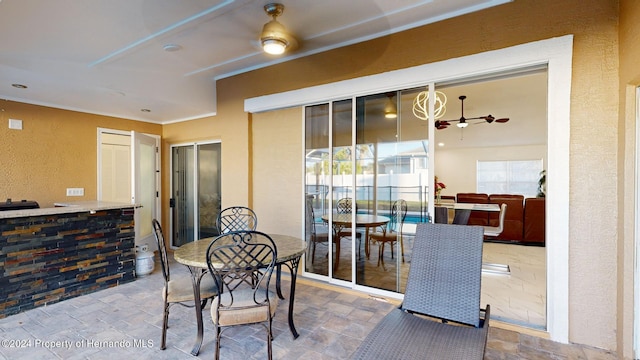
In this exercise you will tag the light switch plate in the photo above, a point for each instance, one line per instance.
(75, 191)
(15, 124)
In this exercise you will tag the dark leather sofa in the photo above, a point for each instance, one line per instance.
(524, 221)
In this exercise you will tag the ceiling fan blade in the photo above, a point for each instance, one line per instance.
(489, 118)
(502, 120)
(441, 124)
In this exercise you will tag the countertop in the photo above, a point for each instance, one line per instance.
(66, 207)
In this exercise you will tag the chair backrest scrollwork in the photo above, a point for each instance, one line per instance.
(236, 218)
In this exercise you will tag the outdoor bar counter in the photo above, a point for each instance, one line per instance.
(51, 254)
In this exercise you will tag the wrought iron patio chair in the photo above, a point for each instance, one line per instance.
(177, 291)
(440, 316)
(391, 232)
(314, 235)
(344, 206)
(236, 218)
(241, 264)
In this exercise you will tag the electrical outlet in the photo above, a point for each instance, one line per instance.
(75, 191)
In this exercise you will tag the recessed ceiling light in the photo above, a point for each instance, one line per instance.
(145, 110)
(172, 47)
(440, 144)
(19, 86)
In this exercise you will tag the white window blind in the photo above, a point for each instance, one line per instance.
(509, 177)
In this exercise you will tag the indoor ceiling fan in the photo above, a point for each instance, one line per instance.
(463, 122)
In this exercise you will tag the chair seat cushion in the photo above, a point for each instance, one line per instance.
(181, 290)
(245, 310)
(401, 335)
(386, 236)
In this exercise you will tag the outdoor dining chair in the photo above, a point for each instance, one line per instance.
(314, 235)
(241, 264)
(177, 291)
(440, 316)
(391, 232)
(344, 206)
(236, 218)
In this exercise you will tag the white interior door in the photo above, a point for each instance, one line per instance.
(144, 186)
(115, 167)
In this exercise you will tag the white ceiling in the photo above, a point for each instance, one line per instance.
(522, 98)
(106, 56)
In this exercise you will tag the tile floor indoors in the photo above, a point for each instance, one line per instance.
(124, 322)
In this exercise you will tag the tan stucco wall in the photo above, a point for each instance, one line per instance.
(56, 149)
(629, 81)
(277, 171)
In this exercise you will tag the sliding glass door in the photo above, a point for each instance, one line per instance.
(195, 191)
(392, 175)
(364, 157)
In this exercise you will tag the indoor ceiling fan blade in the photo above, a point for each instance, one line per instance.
(489, 118)
(502, 120)
(441, 124)
(475, 118)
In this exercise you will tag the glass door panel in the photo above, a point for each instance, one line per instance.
(209, 188)
(195, 191)
(342, 189)
(317, 181)
(391, 171)
(182, 195)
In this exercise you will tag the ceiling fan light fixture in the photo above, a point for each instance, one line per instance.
(274, 37)
(390, 110)
(462, 124)
(274, 46)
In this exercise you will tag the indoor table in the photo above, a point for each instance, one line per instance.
(502, 269)
(194, 255)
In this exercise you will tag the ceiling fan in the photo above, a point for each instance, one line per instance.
(462, 122)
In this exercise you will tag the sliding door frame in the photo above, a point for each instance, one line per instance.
(556, 54)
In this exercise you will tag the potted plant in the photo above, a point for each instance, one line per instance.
(438, 187)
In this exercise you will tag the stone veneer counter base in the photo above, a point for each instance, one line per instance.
(48, 255)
